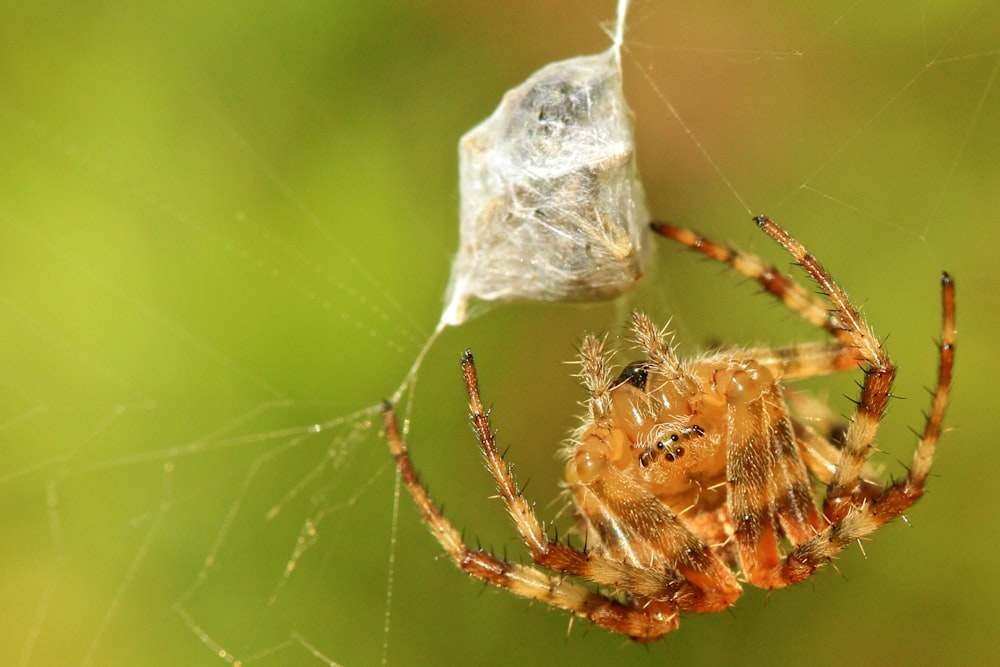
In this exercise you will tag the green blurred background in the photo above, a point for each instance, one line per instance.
(223, 223)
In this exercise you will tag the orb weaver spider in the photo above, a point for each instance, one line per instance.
(689, 477)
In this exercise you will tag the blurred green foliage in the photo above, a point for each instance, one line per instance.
(222, 223)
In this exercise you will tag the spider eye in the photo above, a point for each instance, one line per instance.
(635, 374)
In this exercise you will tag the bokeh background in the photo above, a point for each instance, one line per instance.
(225, 232)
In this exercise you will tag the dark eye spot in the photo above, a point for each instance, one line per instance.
(635, 374)
(660, 445)
(679, 452)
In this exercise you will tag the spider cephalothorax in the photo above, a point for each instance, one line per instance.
(689, 477)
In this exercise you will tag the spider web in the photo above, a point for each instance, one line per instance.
(226, 238)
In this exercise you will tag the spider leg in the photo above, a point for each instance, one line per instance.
(904, 493)
(862, 519)
(768, 486)
(877, 386)
(640, 535)
(797, 298)
(791, 487)
(751, 506)
(817, 428)
(794, 362)
(526, 581)
(819, 454)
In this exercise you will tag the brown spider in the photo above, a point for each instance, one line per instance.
(689, 477)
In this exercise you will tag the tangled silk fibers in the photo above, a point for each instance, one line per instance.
(552, 208)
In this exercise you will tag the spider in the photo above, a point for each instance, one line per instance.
(690, 477)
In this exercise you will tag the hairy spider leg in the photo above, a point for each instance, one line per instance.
(524, 580)
(863, 519)
(796, 297)
(876, 388)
